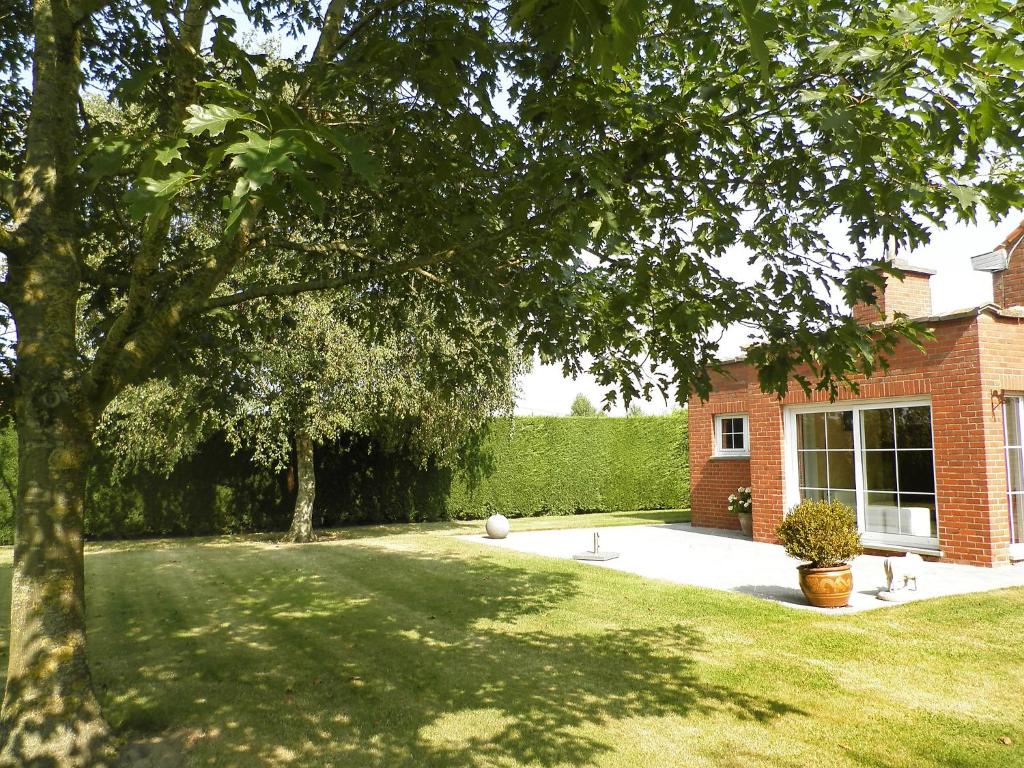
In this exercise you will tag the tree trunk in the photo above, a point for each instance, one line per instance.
(50, 715)
(302, 520)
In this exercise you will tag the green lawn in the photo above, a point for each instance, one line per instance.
(398, 646)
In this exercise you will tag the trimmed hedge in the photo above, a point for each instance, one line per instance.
(215, 492)
(557, 465)
(522, 466)
(8, 481)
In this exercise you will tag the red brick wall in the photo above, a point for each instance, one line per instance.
(1008, 285)
(713, 479)
(969, 360)
(1002, 358)
(912, 296)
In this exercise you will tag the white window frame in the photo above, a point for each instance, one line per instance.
(791, 485)
(732, 452)
(1016, 537)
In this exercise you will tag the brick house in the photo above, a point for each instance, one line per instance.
(930, 454)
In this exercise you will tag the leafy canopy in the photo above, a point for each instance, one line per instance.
(314, 365)
(573, 171)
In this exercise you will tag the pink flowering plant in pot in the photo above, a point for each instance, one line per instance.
(741, 504)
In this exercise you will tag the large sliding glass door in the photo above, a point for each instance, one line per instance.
(1013, 409)
(877, 458)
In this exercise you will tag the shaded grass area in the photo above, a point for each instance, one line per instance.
(414, 648)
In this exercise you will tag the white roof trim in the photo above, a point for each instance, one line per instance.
(993, 261)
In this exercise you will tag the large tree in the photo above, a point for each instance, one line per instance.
(574, 171)
(282, 376)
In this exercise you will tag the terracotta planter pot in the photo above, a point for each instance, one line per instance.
(746, 522)
(826, 587)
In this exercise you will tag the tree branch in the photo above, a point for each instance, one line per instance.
(327, 43)
(360, 25)
(322, 284)
(118, 365)
(387, 270)
(97, 278)
(185, 68)
(331, 39)
(187, 64)
(83, 9)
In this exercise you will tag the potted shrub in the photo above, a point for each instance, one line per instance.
(824, 534)
(740, 504)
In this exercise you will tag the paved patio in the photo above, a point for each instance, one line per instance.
(683, 554)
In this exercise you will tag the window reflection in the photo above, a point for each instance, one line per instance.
(896, 479)
(899, 471)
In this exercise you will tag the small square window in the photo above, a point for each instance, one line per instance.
(732, 435)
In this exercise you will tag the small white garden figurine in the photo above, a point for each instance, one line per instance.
(497, 526)
(899, 572)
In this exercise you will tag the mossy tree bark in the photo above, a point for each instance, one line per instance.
(301, 530)
(50, 714)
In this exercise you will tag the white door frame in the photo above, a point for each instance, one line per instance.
(1016, 537)
(791, 483)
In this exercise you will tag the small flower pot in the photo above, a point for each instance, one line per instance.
(826, 587)
(746, 523)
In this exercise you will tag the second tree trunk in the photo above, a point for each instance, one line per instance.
(302, 519)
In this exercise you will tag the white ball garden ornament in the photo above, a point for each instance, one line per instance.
(497, 526)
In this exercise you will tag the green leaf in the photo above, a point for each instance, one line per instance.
(309, 193)
(966, 196)
(152, 196)
(1012, 56)
(811, 96)
(108, 157)
(234, 220)
(357, 152)
(260, 159)
(130, 88)
(758, 25)
(171, 152)
(261, 156)
(941, 14)
(212, 118)
(618, 39)
(867, 53)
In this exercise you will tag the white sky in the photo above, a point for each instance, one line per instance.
(545, 392)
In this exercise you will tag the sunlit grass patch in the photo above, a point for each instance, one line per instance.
(411, 647)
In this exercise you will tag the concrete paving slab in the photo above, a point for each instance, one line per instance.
(684, 554)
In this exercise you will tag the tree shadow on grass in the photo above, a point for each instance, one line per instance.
(370, 655)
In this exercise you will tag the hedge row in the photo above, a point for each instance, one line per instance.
(552, 465)
(522, 466)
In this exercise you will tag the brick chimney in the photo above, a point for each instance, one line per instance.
(1006, 263)
(912, 296)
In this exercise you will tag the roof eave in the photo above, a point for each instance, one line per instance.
(993, 261)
